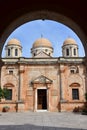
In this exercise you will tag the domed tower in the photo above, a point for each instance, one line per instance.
(70, 48)
(13, 48)
(41, 48)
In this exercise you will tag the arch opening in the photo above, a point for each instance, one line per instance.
(44, 15)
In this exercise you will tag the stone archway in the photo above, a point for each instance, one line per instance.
(44, 14)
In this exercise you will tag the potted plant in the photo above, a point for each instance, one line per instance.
(6, 108)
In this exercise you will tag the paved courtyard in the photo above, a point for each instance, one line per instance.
(42, 121)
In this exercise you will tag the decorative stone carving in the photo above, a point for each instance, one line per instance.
(42, 79)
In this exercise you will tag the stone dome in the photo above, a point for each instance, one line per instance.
(69, 41)
(42, 42)
(14, 42)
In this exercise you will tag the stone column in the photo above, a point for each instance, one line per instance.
(60, 80)
(21, 71)
(71, 51)
(35, 97)
(48, 97)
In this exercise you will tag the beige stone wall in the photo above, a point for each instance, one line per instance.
(68, 79)
(71, 106)
(11, 81)
(11, 105)
(27, 73)
(27, 90)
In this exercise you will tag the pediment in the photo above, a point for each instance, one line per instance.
(42, 79)
(42, 54)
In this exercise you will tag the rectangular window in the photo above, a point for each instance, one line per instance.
(75, 94)
(9, 94)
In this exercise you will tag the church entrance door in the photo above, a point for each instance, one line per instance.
(42, 99)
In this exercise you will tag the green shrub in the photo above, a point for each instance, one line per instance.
(86, 96)
(3, 92)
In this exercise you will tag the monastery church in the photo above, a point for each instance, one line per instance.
(43, 82)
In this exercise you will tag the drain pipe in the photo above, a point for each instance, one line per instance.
(18, 99)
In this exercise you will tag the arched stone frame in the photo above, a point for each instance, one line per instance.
(44, 14)
(74, 68)
(11, 86)
(75, 85)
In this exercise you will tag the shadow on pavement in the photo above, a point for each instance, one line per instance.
(34, 127)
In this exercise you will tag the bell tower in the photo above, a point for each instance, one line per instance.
(70, 48)
(13, 48)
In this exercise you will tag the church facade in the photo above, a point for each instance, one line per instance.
(43, 82)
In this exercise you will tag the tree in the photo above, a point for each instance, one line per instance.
(84, 110)
(86, 97)
(3, 92)
(0, 92)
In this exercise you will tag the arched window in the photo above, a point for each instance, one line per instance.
(49, 54)
(34, 54)
(67, 52)
(9, 53)
(11, 72)
(74, 51)
(74, 69)
(46, 50)
(16, 52)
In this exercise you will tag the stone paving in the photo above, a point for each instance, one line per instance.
(42, 121)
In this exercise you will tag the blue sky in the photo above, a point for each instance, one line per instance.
(55, 32)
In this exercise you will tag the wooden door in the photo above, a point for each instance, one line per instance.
(42, 99)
